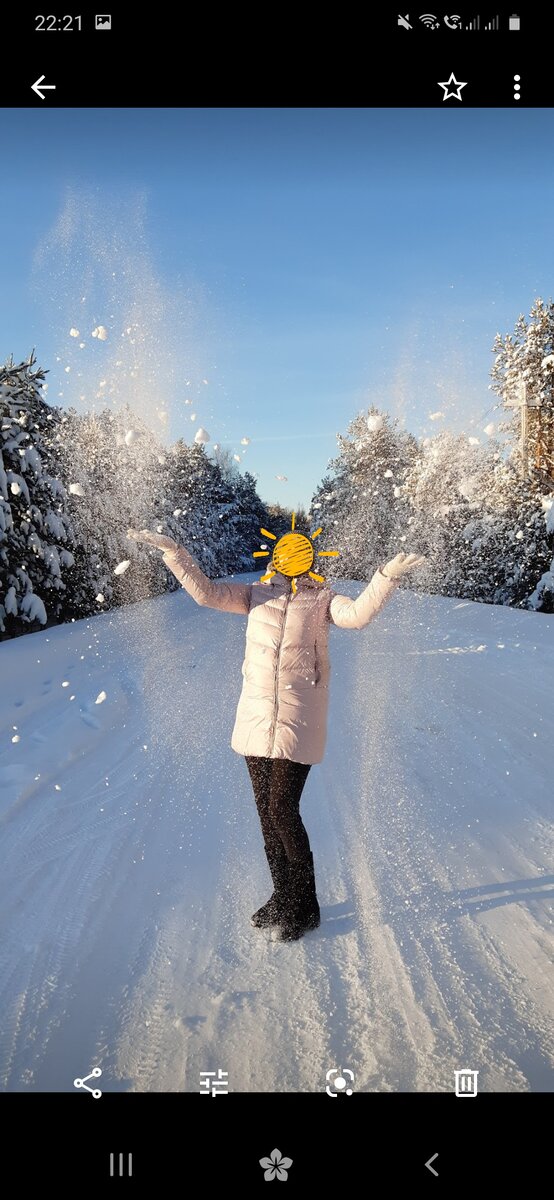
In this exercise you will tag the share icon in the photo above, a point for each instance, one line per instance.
(82, 1083)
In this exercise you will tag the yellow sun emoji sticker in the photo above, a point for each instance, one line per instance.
(293, 555)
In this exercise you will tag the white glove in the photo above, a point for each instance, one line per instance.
(153, 539)
(399, 566)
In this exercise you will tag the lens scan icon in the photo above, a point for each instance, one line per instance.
(339, 1082)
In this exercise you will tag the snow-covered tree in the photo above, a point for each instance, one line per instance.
(113, 467)
(36, 535)
(361, 504)
(526, 357)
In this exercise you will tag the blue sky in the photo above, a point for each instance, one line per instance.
(305, 262)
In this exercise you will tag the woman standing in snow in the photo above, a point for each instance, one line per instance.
(281, 719)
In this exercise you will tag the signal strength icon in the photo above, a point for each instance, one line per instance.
(494, 24)
(430, 21)
(474, 24)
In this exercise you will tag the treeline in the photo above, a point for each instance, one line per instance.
(70, 487)
(481, 509)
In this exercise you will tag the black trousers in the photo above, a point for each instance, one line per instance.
(278, 785)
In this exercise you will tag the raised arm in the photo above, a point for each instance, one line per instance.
(230, 597)
(354, 614)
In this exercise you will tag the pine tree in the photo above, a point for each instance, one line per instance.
(36, 533)
(360, 505)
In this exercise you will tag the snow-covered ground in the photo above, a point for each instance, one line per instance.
(132, 857)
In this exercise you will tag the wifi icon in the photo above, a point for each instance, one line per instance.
(430, 21)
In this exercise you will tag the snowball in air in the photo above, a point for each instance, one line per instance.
(201, 435)
(282, 478)
(375, 422)
(473, 441)
(489, 429)
(76, 489)
(397, 492)
(100, 698)
(177, 512)
(15, 489)
(245, 441)
(236, 457)
(101, 333)
(519, 535)
(436, 416)
(100, 598)
(122, 567)
(388, 474)
(216, 445)
(130, 436)
(74, 333)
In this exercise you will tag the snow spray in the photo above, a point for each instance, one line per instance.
(128, 343)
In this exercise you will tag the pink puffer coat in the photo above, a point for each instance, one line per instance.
(282, 711)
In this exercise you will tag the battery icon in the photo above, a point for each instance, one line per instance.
(514, 22)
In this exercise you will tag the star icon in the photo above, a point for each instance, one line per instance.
(452, 88)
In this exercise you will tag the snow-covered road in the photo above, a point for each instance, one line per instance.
(132, 858)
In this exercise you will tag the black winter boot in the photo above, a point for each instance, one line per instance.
(271, 912)
(301, 908)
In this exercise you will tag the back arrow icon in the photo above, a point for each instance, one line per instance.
(431, 1160)
(45, 87)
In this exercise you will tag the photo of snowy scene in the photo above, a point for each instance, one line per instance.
(277, 599)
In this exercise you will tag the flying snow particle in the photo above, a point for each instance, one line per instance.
(237, 459)
(245, 441)
(81, 345)
(100, 698)
(76, 489)
(216, 445)
(67, 370)
(161, 459)
(74, 332)
(15, 488)
(473, 441)
(263, 546)
(205, 381)
(162, 414)
(489, 429)
(397, 492)
(201, 435)
(130, 436)
(313, 505)
(100, 598)
(177, 512)
(65, 683)
(16, 738)
(388, 475)
(375, 422)
(193, 416)
(519, 534)
(436, 416)
(101, 333)
(122, 567)
(281, 478)
(57, 787)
